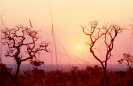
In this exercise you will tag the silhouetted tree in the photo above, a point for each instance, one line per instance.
(21, 39)
(106, 32)
(126, 59)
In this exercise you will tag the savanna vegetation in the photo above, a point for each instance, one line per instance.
(90, 76)
(15, 40)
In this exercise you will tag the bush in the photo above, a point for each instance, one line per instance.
(5, 74)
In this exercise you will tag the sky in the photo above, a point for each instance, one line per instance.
(67, 16)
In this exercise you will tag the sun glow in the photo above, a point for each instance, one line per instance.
(78, 47)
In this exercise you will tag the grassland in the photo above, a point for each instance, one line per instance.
(90, 76)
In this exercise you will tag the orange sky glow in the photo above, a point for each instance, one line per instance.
(67, 17)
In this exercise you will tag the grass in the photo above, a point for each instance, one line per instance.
(90, 76)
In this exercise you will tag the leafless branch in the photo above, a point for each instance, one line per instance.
(105, 32)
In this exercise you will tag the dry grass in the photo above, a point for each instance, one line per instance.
(90, 76)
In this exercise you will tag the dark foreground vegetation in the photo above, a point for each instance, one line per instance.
(90, 76)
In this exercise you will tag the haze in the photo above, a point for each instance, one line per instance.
(67, 15)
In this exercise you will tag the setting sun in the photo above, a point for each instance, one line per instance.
(78, 47)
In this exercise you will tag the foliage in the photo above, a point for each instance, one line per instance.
(90, 76)
(37, 63)
(5, 73)
(126, 59)
(54, 78)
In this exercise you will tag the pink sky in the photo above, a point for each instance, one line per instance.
(67, 16)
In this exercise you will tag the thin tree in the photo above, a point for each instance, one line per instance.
(21, 45)
(95, 33)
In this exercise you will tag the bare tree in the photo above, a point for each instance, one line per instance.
(21, 39)
(109, 32)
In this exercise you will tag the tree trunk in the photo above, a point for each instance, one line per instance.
(104, 78)
(17, 72)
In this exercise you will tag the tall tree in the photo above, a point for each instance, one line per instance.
(95, 33)
(21, 45)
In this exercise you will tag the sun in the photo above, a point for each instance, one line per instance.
(78, 47)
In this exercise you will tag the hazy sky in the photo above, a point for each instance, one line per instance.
(67, 15)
